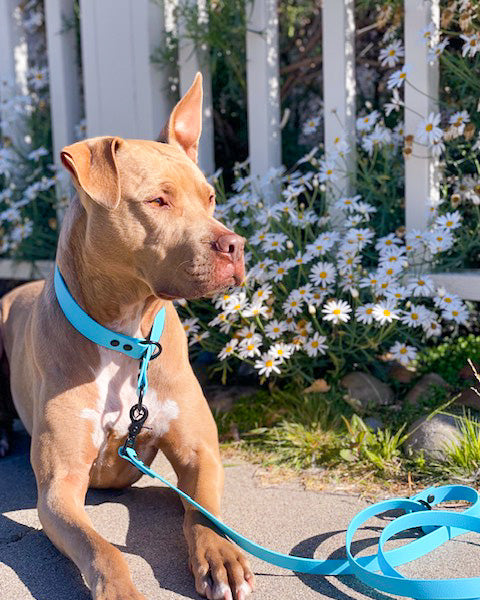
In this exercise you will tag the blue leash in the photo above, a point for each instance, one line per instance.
(376, 570)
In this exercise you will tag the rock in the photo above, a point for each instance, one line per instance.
(319, 385)
(467, 373)
(366, 391)
(400, 373)
(433, 436)
(374, 423)
(425, 386)
(222, 398)
(469, 398)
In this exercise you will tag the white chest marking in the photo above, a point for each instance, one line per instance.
(116, 380)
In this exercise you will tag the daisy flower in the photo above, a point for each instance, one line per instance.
(236, 303)
(336, 311)
(292, 305)
(198, 337)
(432, 329)
(267, 364)
(315, 345)
(396, 292)
(459, 314)
(440, 240)
(249, 348)
(421, 286)
(471, 44)
(255, 309)
(347, 203)
(278, 271)
(327, 171)
(395, 103)
(190, 326)
(364, 314)
(322, 274)
(437, 50)
(281, 351)
(397, 78)
(311, 125)
(459, 119)
(228, 349)
(222, 300)
(391, 55)
(415, 316)
(274, 329)
(445, 300)
(262, 293)
(384, 312)
(366, 122)
(403, 353)
(450, 220)
(387, 242)
(318, 296)
(304, 292)
(428, 132)
(223, 321)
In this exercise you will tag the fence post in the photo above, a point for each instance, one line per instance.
(190, 60)
(339, 90)
(421, 93)
(13, 66)
(65, 96)
(263, 87)
(125, 94)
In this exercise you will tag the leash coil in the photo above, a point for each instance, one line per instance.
(376, 570)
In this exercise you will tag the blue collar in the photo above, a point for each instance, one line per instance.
(130, 346)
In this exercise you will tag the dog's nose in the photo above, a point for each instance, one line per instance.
(231, 244)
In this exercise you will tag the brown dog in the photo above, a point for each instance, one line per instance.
(140, 233)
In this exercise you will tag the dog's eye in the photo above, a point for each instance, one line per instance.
(159, 201)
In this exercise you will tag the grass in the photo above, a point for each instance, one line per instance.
(321, 433)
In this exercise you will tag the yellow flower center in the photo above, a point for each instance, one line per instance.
(455, 313)
(323, 274)
(329, 171)
(337, 311)
(269, 363)
(449, 223)
(386, 312)
(403, 350)
(414, 316)
(369, 311)
(392, 52)
(314, 344)
(429, 127)
(280, 352)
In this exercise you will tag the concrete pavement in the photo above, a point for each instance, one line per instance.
(145, 523)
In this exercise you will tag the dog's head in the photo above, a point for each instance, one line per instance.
(149, 208)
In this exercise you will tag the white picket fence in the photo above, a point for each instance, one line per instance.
(124, 93)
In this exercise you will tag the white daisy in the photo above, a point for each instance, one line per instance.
(432, 329)
(315, 345)
(471, 44)
(384, 312)
(274, 329)
(391, 55)
(421, 286)
(366, 122)
(458, 120)
(415, 316)
(449, 221)
(281, 351)
(403, 353)
(459, 314)
(364, 314)
(322, 274)
(337, 311)
(278, 271)
(228, 349)
(292, 305)
(397, 78)
(267, 365)
(190, 326)
(249, 348)
(428, 132)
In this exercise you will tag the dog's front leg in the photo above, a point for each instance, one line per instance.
(62, 479)
(220, 569)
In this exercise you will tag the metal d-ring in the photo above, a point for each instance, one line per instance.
(151, 342)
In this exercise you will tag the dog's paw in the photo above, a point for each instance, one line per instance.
(220, 569)
(5, 436)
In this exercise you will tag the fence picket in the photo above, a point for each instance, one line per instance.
(263, 87)
(124, 93)
(339, 90)
(421, 94)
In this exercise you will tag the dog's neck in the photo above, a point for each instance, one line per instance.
(120, 302)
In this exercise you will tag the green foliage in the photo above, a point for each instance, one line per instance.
(450, 357)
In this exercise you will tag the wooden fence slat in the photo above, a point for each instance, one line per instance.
(125, 94)
(65, 96)
(339, 89)
(465, 284)
(13, 65)
(190, 60)
(421, 172)
(263, 87)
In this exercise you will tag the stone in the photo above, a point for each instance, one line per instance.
(366, 391)
(221, 398)
(400, 373)
(432, 436)
(425, 386)
(467, 373)
(374, 423)
(469, 398)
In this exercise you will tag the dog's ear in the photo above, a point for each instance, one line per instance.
(93, 166)
(185, 124)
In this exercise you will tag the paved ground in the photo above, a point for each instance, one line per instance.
(145, 523)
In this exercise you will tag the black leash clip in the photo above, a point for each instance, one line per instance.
(152, 343)
(138, 416)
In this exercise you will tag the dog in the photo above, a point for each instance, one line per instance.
(139, 233)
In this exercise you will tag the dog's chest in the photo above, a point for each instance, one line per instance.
(116, 382)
